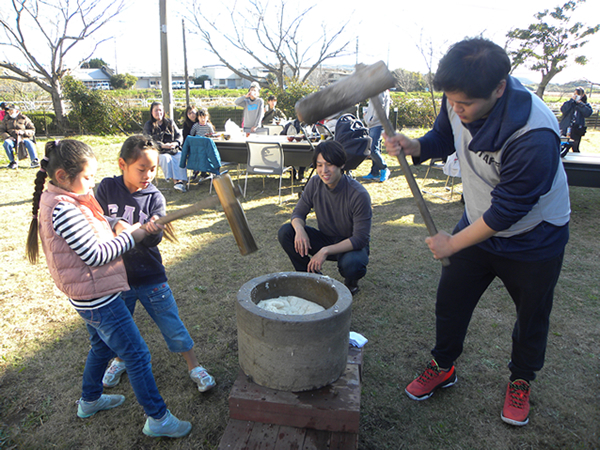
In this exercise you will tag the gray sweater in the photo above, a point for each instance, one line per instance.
(343, 212)
(254, 111)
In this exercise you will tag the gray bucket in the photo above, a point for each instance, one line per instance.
(293, 352)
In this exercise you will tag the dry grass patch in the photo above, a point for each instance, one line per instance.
(43, 343)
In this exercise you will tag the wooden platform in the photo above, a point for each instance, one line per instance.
(326, 418)
(249, 435)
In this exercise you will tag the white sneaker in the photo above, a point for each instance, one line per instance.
(200, 376)
(112, 376)
(169, 426)
(87, 409)
(180, 187)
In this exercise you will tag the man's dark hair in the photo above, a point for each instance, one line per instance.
(474, 67)
(333, 152)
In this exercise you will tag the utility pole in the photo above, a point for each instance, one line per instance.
(115, 44)
(185, 68)
(165, 78)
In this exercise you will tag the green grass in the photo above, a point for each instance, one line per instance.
(43, 342)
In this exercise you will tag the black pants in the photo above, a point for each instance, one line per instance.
(576, 142)
(529, 283)
(351, 265)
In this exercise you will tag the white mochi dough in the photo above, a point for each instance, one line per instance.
(290, 305)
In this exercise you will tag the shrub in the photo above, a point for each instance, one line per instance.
(94, 112)
(122, 81)
(287, 98)
(415, 110)
(43, 122)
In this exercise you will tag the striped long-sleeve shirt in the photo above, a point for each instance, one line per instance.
(70, 223)
(202, 130)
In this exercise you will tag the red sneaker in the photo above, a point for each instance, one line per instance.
(433, 378)
(516, 403)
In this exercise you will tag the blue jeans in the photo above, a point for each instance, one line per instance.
(377, 161)
(161, 306)
(9, 148)
(351, 265)
(113, 332)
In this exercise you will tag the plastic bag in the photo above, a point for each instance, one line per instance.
(232, 129)
(21, 150)
(452, 166)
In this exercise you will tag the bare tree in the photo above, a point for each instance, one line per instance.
(279, 39)
(429, 55)
(409, 81)
(550, 42)
(42, 32)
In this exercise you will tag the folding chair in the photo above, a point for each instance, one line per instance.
(266, 158)
(438, 163)
(200, 154)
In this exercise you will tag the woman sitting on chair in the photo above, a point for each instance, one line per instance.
(167, 136)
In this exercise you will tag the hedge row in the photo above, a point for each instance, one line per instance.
(407, 110)
(45, 123)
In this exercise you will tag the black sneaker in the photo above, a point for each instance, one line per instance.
(35, 163)
(352, 285)
(12, 165)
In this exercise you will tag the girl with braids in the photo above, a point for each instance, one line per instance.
(134, 198)
(84, 258)
(165, 133)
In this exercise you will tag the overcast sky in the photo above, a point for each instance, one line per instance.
(388, 31)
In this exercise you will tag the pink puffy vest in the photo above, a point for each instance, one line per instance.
(71, 275)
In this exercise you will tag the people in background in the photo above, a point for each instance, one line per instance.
(133, 198)
(190, 119)
(379, 169)
(165, 133)
(202, 127)
(516, 220)
(343, 210)
(254, 108)
(574, 112)
(272, 113)
(17, 129)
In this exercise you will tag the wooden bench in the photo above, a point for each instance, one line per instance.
(326, 418)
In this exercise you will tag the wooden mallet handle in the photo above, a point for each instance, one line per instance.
(227, 198)
(209, 202)
(412, 183)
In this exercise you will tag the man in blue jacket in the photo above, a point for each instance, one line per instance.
(515, 224)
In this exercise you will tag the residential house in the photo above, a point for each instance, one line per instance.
(93, 78)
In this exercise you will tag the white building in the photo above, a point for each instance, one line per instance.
(93, 78)
(221, 77)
